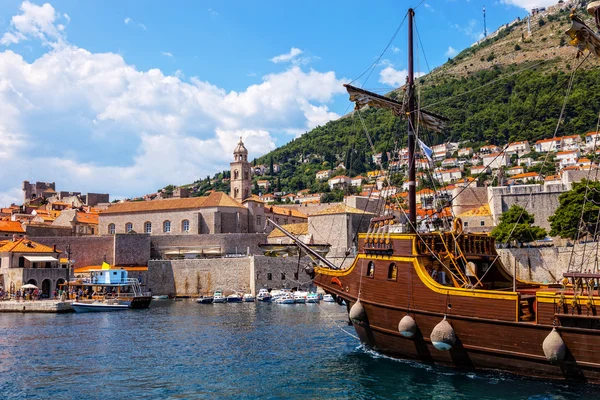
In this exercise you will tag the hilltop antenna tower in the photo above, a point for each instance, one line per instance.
(484, 25)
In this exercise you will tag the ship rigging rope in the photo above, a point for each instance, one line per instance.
(335, 322)
(371, 68)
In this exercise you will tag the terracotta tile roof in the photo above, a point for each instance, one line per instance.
(552, 178)
(562, 153)
(570, 137)
(254, 198)
(526, 175)
(340, 209)
(425, 191)
(215, 199)
(26, 246)
(288, 212)
(294, 229)
(11, 227)
(86, 218)
(548, 140)
(591, 133)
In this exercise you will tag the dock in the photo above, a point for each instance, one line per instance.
(38, 306)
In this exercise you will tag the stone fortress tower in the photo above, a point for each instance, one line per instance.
(241, 174)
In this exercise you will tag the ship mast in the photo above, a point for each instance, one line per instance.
(412, 203)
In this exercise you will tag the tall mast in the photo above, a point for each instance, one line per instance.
(412, 204)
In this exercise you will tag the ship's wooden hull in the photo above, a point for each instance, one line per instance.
(489, 325)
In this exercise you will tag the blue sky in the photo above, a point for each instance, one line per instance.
(125, 97)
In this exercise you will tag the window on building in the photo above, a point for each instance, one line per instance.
(282, 276)
(185, 225)
(371, 269)
(167, 226)
(258, 220)
(295, 275)
(269, 276)
(111, 229)
(465, 224)
(128, 227)
(392, 272)
(148, 227)
(482, 223)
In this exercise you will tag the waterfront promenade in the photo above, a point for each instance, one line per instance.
(35, 306)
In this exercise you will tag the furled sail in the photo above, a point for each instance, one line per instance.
(363, 98)
(582, 35)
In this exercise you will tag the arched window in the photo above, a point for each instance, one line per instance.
(128, 227)
(392, 272)
(111, 229)
(236, 192)
(148, 227)
(371, 269)
(185, 225)
(235, 173)
(167, 226)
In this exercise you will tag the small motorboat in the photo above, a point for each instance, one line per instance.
(328, 298)
(300, 297)
(218, 297)
(312, 298)
(204, 300)
(160, 297)
(248, 298)
(264, 295)
(287, 298)
(99, 306)
(234, 298)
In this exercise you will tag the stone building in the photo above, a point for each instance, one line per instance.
(10, 228)
(24, 261)
(32, 190)
(80, 223)
(241, 174)
(215, 213)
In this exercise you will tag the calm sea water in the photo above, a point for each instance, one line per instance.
(184, 350)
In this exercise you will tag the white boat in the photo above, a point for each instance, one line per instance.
(108, 290)
(285, 299)
(218, 297)
(276, 294)
(264, 295)
(312, 298)
(99, 306)
(248, 298)
(300, 297)
(328, 298)
(160, 297)
(234, 298)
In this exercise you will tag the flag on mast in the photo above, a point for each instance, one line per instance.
(426, 150)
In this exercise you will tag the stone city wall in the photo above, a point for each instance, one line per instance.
(230, 243)
(244, 274)
(85, 250)
(547, 264)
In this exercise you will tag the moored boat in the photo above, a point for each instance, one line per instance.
(300, 297)
(264, 295)
(108, 290)
(312, 298)
(248, 298)
(234, 298)
(160, 297)
(205, 300)
(327, 298)
(286, 298)
(218, 297)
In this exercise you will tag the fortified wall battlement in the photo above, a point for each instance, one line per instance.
(539, 200)
(194, 277)
(230, 243)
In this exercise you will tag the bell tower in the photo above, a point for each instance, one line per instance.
(241, 176)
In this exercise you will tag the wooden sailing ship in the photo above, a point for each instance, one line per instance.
(445, 297)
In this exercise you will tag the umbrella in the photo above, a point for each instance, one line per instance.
(29, 286)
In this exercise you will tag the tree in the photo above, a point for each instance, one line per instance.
(271, 165)
(517, 224)
(577, 212)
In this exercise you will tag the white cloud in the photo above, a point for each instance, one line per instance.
(282, 58)
(451, 52)
(128, 20)
(213, 13)
(393, 77)
(67, 17)
(34, 22)
(93, 122)
(395, 49)
(167, 54)
(529, 4)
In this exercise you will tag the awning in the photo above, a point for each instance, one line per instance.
(40, 258)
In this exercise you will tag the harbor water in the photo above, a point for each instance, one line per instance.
(185, 350)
